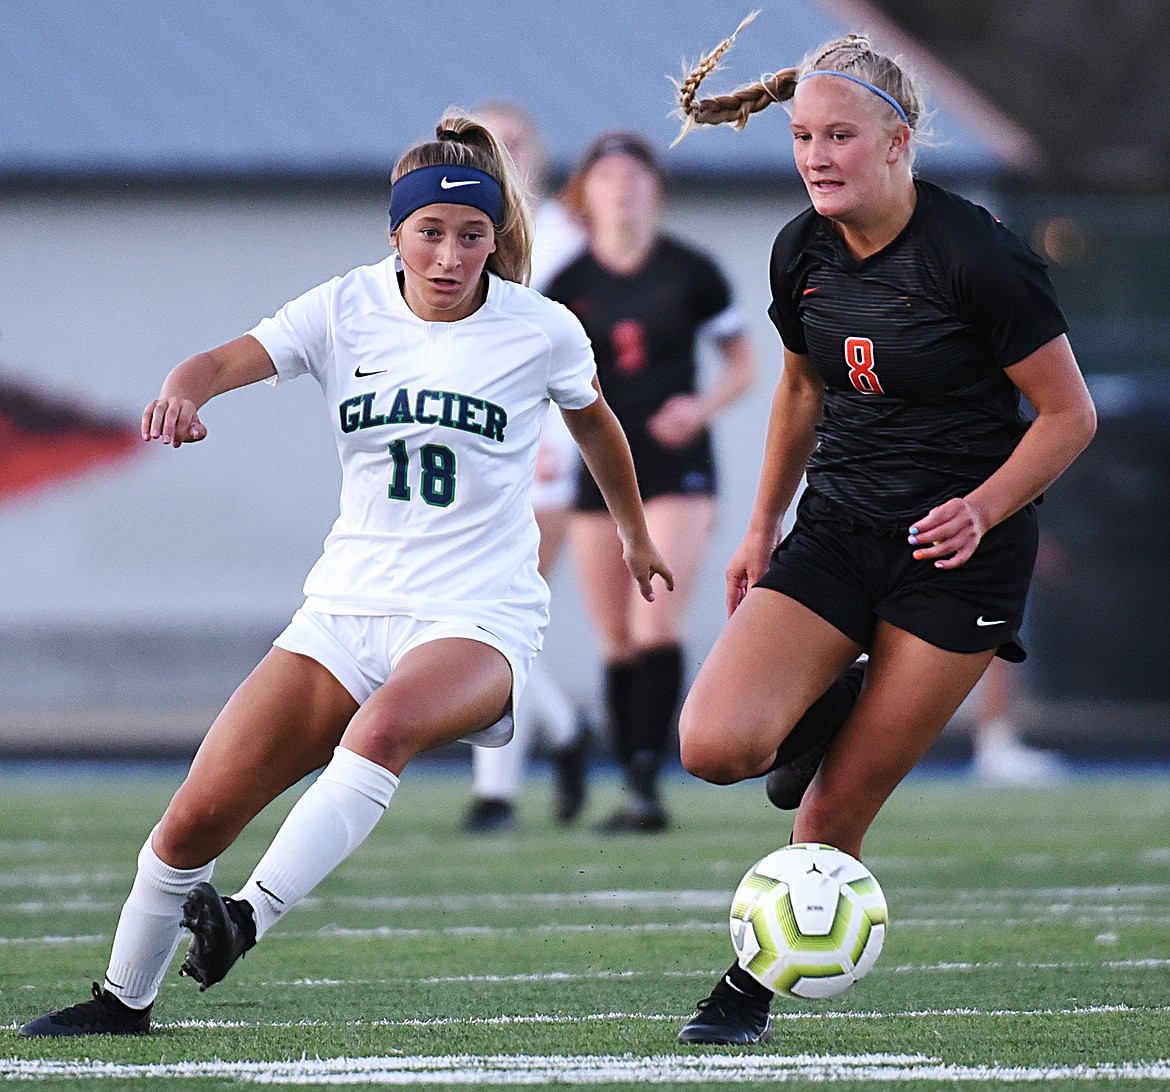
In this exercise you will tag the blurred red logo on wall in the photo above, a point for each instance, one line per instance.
(44, 439)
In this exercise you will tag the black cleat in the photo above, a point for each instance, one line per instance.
(570, 764)
(224, 929)
(640, 817)
(724, 1019)
(786, 785)
(489, 816)
(104, 1015)
(799, 756)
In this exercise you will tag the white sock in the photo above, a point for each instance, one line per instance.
(326, 825)
(149, 927)
(551, 707)
(496, 771)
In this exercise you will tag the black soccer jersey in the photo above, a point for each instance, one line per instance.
(911, 344)
(644, 326)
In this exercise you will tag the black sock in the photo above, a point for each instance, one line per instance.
(655, 690)
(823, 719)
(619, 678)
(739, 984)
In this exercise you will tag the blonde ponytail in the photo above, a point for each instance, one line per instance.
(852, 54)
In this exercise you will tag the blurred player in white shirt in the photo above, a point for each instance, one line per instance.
(547, 712)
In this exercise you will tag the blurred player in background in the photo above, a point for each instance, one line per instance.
(425, 610)
(646, 300)
(497, 771)
(999, 754)
(912, 321)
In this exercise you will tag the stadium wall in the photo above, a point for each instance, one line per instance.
(133, 598)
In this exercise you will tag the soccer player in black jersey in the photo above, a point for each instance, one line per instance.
(912, 321)
(645, 298)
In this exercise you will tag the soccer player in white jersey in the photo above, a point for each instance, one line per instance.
(548, 713)
(426, 609)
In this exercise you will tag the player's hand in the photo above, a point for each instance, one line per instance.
(949, 534)
(645, 562)
(747, 565)
(677, 421)
(173, 420)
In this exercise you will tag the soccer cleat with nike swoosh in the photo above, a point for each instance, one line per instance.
(223, 930)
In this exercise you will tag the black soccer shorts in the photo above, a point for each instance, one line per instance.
(688, 472)
(853, 576)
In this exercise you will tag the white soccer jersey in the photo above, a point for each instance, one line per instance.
(437, 427)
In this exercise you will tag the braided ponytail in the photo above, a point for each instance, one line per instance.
(852, 54)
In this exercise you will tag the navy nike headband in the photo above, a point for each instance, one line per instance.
(445, 185)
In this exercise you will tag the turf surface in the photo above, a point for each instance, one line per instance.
(1028, 944)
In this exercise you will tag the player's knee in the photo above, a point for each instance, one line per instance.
(711, 757)
(195, 830)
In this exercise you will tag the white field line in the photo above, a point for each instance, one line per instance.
(523, 1069)
(390, 932)
(608, 976)
(52, 940)
(18, 878)
(993, 898)
(541, 1019)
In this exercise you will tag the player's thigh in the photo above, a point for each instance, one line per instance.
(681, 529)
(437, 693)
(774, 658)
(606, 584)
(912, 689)
(282, 723)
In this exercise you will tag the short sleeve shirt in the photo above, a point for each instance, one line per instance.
(912, 344)
(437, 426)
(645, 326)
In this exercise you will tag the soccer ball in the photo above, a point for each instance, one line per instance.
(808, 921)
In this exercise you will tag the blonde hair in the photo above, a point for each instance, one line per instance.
(852, 54)
(462, 141)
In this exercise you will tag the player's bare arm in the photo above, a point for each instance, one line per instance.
(596, 431)
(683, 416)
(173, 416)
(791, 437)
(1065, 423)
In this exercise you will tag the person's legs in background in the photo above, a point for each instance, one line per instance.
(641, 643)
(545, 709)
(998, 753)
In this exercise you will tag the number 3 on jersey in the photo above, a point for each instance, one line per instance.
(437, 484)
(859, 357)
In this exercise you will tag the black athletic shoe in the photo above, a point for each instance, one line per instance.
(570, 764)
(640, 817)
(723, 1019)
(224, 929)
(488, 816)
(786, 786)
(799, 756)
(104, 1015)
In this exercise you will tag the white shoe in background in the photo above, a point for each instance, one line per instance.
(1001, 757)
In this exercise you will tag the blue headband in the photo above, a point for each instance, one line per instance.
(864, 83)
(445, 185)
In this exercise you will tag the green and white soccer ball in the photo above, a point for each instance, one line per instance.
(808, 921)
